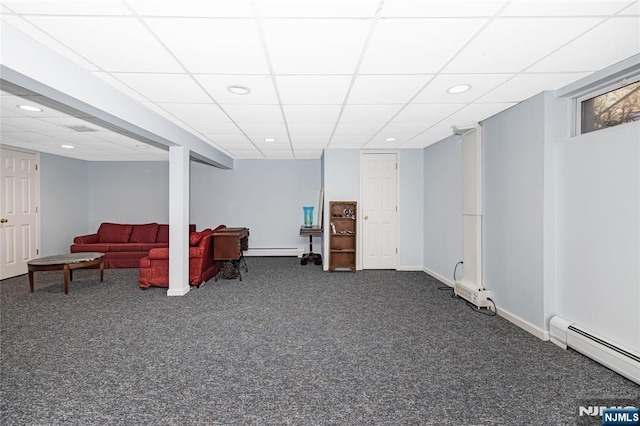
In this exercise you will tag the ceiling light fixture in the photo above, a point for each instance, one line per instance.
(269, 139)
(30, 108)
(238, 89)
(390, 139)
(142, 146)
(67, 146)
(461, 88)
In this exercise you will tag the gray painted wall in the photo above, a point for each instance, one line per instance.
(342, 183)
(411, 196)
(128, 192)
(266, 196)
(443, 207)
(64, 202)
(599, 232)
(513, 209)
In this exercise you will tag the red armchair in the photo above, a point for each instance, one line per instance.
(154, 268)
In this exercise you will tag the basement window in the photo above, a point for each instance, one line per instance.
(610, 107)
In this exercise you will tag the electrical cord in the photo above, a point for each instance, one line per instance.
(456, 268)
(446, 287)
(493, 313)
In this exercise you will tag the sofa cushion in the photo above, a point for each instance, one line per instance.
(144, 233)
(124, 247)
(79, 248)
(163, 234)
(149, 246)
(114, 232)
(196, 237)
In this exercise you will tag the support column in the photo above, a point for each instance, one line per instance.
(178, 221)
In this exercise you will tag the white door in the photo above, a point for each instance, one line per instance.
(18, 211)
(379, 211)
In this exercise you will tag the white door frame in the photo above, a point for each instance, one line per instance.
(36, 189)
(360, 206)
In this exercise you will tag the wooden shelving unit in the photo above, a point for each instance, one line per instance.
(342, 235)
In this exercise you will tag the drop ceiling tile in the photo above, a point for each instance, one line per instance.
(308, 154)
(563, 7)
(348, 141)
(196, 112)
(37, 34)
(267, 129)
(523, 86)
(130, 48)
(436, 91)
(193, 8)
(273, 146)
(477, 112)
(10, 102)
(33, 125)
(386, 89)
(175, 88)
(440, 8)
(426, 112)
(406, 46)
(313, 89)
(262, 90)
(112, 81)
(213, 128)
(83, 8)
(312, 113)
(432, 135)
(511, 45)
(323, 9)
(310, 129)
(367, 113)
(213, 46)
(254, 113)
(382, 144)
(315, 46)
(611, 42)
(634, 9)
(358, 129)
(310, 140)
(395, 129)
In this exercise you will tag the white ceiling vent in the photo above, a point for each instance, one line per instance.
(81, 128)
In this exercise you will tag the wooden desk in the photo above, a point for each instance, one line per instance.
(229, 244)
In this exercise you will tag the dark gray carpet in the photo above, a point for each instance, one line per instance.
(290, 344)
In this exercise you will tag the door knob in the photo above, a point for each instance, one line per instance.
(3, 220)
(366, 217)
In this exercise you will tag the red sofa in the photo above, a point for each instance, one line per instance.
(124, 245)
(154, 268)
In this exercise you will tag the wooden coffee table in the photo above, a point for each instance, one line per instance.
(67, 263)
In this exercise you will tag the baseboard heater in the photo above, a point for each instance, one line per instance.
(275, 251)
(621, 360)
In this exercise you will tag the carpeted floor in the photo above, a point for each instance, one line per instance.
(290, 344)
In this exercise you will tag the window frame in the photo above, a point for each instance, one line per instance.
(577, 101)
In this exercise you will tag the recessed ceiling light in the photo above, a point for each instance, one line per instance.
(269, 139)
(390, 139)
(30, 108)
(67, 146)
(458, 89)
(239, 90)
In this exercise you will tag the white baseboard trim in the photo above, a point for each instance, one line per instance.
(514, 319)
(410, 268)
(523, 324)
(282, 251)
(438, 277)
